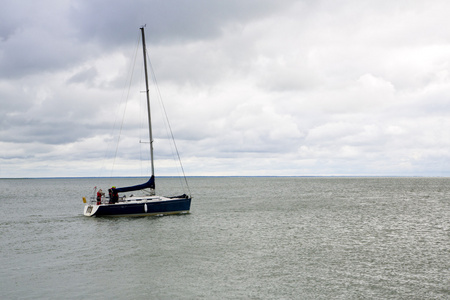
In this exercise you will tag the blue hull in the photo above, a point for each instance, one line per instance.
(166, 207)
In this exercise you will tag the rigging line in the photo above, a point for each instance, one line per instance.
(167, 120)
(125, 108)
(107, 152)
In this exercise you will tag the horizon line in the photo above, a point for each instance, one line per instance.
(233, 176)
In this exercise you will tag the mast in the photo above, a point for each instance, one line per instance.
(148, 101)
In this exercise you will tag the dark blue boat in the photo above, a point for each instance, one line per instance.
(118, 204)
(141, 206)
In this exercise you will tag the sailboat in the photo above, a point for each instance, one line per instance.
(119, 204)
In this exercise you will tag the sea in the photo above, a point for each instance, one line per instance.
(245, 238)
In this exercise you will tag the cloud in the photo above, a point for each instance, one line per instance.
(250, 87)
(173, 22)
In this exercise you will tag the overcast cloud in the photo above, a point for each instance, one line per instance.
(251, 87)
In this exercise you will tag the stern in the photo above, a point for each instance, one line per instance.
(90, 210)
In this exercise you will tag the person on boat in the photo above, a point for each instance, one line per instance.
(115, 195)
(110, 196)
(99, 196)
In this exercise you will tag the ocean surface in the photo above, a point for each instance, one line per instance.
(245, 238)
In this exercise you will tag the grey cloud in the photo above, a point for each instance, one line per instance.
(85, 76)
(53, 35)
(24, 130)
(111, 21)
(253, 87)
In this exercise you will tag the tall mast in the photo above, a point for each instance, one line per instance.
(148, 101)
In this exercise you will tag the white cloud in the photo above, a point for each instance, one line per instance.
(251, 88)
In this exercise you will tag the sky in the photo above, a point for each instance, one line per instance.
(250, 87)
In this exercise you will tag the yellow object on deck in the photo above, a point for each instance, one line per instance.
(84, 199)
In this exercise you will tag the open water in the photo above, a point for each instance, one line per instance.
(246, 238)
